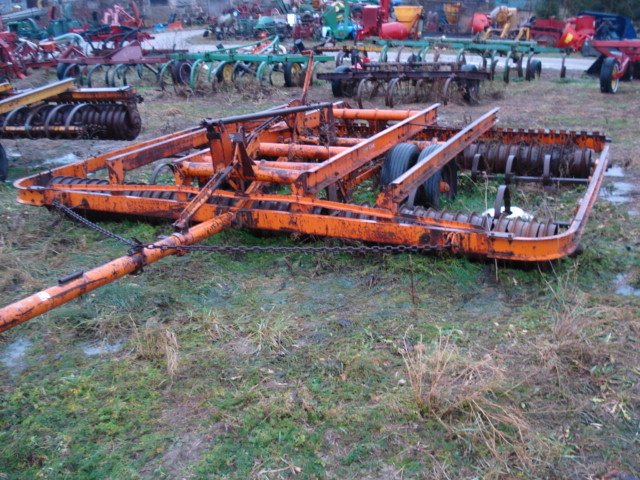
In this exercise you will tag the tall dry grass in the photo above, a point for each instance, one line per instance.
(469, 397)
(155, 343)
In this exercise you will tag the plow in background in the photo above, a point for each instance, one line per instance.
(310, 169)
(423, 75)
(258, 62)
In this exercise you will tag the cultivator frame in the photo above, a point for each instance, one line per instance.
(490, 51)
(296, 168)
(406, 82)
(256, 61)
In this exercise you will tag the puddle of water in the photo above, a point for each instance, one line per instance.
(614, 171)
(13, 356)
(617, 192)
(102, 348)
(65, 159)
(623, 288)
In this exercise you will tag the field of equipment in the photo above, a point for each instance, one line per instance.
(388, 178)
(578, 32)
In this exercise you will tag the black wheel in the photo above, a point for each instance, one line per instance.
(341, 88)
(181, 72)
(399, 159)
(534, 70)
(433, 189)
(428, 194)
(4, 164)
(449, 175)
(293, 74)
(67, 70)
(471, 87)
(608, 73)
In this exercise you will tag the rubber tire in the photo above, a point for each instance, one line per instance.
(4, 164)
(336, 84)
(534, 70)
(63, 70)
(428, 193)
(181, 72)
(610, 67)
(399, 159)
(449, 174)
(469, 84)
(288, 75)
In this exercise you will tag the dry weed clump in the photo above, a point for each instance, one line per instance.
(155, 343)
(583, 336)
(467, 397)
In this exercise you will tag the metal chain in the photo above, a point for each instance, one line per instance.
(88, 223)
(137, 246)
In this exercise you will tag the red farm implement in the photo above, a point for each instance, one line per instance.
(618, 60)
(383, 177)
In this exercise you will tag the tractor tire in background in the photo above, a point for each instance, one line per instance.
(338, 87)
(293, 74)
(471, 88)
(610, 68)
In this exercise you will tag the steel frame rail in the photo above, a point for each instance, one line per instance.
(229, 172)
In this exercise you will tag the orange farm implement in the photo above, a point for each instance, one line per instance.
(303, 169)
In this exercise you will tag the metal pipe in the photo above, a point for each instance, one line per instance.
(52, 297)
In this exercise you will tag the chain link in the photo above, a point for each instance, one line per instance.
(137, 246)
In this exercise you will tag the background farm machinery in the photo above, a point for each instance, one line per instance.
(578, 32)
(258, 61)
(422, 74)
(618, 61)
(60, 110)
(307, 169)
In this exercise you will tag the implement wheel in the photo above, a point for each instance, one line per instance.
(293, 74)
(444, 183)
(608, 73)
(4, 164)
(343, 88)
(534, 70)
(368, 88)
(181, 72)
(399, 159)
(471, 87)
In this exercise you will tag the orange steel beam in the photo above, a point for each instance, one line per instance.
(374, 115)
(46, 300)
(353, 158)
(269, 149)
(402, 186)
